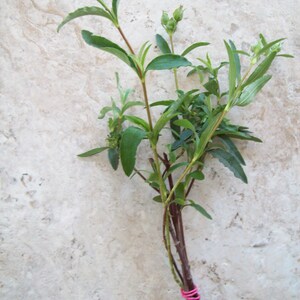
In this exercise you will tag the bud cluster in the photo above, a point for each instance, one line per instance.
(170, 24)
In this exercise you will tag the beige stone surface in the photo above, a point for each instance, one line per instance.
(72, 228)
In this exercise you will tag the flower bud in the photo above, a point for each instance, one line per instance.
(171, 26)
(178, 13)
(164, 19)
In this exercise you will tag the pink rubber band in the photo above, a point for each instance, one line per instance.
(189, 295)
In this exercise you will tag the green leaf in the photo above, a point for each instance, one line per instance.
(212, 86)
(162, 103)
(131, 138)
(268, 46)
(200, 209)
(231, 147)
(92, 152)
(179, 192)
(180, 201)
(144, 55)
(242, 52)
(131, 104)
(108, 46)
(185, 124)
(237, 60)
(84, 11)
(168, 61)
(138, 121)
(251, 90)
(113, 157)
(207, 133)
(175, 167)
(237, 135)
(104, 111)
(229, 161)
(162, 44)
(286, 55)
(170, 113)
(157, 199)
(115, 4)
(194, 46)
(232, 70)
(198, 175)
(261, 69)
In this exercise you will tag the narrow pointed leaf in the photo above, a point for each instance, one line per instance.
(131, 138)
(168, 61)
(261, 69)
(268, 46)
(113, 157)
(194, 46)
(231, 147)
(236, 59)
(162, 44)
(108, 46)
(175, 167)
(229, 161)
(115, 4)
(232, 70)
(104, 111)
(138, 121)
(92, 152)
(84, 11)
(286, 55)
(162, 103)
(185, 124)
(251, 90)
(131, 104)
(157, 199)
(198, 175)
(200, 209)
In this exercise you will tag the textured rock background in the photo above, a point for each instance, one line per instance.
(72, 229)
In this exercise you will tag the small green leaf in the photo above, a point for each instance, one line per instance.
(229, 161)
(180, 201)
(175, 167)
(162, 103)
(237, 60)
(198, 175)
(212, 86)
(251, 90)
(232, 70)
(200, 209)
(242, 52)
(157, 199)
(261, 69)
(131, 138)
(108, 46)
(113, 157)
(131, 104)
(194, 46)
(162, 44)
(231, 147)
(104, 111)
(268, 46)
(185, 124)
(138, 121)
(115, 4)
(286, 55)
(168, 61)
(84, 11)
(92, 152)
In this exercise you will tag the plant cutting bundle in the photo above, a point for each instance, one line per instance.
(196, 120)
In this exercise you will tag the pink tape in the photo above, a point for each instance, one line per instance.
(191, 295)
